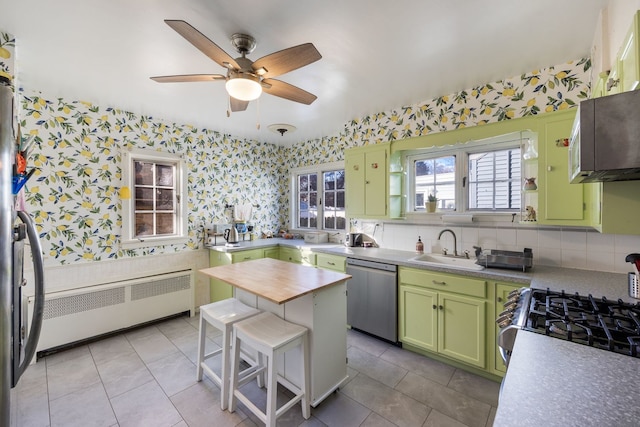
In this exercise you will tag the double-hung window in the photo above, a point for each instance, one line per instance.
(154, 211)
(494, 180)
(318, 194)
(476, 176)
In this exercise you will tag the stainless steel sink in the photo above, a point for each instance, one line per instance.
(447, 261)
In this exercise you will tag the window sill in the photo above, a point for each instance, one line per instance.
(153, 241)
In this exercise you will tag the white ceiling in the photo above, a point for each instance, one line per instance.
(377, 55)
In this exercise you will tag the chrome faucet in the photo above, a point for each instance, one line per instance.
(455, 245)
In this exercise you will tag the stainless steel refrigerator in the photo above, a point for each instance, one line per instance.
(18, 344)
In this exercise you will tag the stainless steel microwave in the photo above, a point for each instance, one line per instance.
(605, 139)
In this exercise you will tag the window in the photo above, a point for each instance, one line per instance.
(476, 176)
(494, 180)
(435, 177)
(318, 193)
(154, 213)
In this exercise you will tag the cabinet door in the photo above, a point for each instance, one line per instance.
(462, 329)
(354, 177)
(562, 201)
(502, 291)
(627, 64)
(290, 255)
(418, 317)
(219, 290)
(272, 253)
(376, 183)
(366, 181)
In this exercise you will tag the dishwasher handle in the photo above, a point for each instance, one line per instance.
(355, 262)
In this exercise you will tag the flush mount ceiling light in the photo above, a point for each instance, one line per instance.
(281, 128)
(244, 87)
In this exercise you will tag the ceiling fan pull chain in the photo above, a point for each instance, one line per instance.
(228, 106)
(258, 113)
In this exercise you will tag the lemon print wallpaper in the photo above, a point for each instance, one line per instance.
(73, 196)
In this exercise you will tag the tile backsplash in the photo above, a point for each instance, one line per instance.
(555, 246)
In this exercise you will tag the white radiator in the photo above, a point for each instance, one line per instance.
(83, 313)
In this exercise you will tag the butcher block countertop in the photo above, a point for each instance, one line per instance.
(275, 280)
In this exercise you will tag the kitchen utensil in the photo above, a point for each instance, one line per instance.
(231, 235)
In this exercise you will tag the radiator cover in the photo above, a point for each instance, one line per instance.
(83, 313)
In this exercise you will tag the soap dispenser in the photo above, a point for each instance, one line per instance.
(419, 246)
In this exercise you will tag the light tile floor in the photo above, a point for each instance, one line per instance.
(146, 377)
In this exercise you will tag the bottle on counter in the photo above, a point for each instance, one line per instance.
(419, 246)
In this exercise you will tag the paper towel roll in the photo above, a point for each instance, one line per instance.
(458, 219)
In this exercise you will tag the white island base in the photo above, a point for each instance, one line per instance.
(324, 313)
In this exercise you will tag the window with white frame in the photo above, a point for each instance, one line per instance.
(318, 197)
(494, 180)
(476, 176)
(154, 211)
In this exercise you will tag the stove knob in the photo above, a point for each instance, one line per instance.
(506, 313)
(504, 324)
(504, 319)
(511, 305)
(514, 293)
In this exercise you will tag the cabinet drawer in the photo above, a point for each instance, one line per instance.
(247, 255)
(444, 282)
(331, 262)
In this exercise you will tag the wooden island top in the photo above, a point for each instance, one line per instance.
(275, 280)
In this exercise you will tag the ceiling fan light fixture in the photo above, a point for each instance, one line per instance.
(244, 87)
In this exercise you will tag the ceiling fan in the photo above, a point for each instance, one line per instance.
(246, 79)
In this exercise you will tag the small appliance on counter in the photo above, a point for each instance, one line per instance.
(353, 240)
(231, 236)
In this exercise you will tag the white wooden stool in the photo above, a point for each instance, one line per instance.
(271, 336)
(221, 315)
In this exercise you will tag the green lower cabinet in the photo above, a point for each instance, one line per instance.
(502, 291)
(219, 290)
(446, 323)
(272, 253)
(331, 262)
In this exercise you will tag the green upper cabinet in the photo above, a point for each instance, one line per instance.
(627, 59)
(560, 203)
(366, 181)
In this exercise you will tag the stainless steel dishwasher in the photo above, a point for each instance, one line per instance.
(372, 298)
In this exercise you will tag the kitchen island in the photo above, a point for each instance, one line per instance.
(307, 296)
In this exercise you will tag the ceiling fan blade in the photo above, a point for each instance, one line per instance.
(188, 78)
(237, 105)
(287, 60)
(203, 43)
(287, 91)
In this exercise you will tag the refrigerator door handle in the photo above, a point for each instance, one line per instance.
(38, 306)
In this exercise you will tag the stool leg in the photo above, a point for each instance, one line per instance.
(272, 391)
(235, 362)
(306, 383)
(201, 345)
(224, 378)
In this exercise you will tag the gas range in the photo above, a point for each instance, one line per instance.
(597, 322)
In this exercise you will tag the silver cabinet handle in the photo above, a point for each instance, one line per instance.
(331, 263)
(437, 282)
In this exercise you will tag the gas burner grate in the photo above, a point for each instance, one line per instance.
(601, 323)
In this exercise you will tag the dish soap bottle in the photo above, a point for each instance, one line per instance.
(419, 246)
